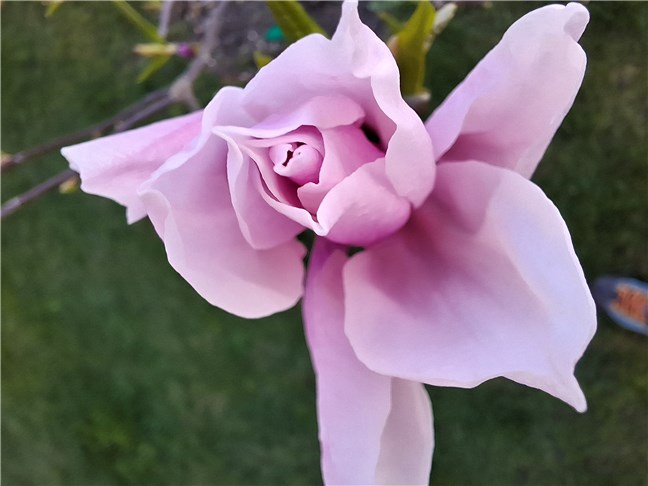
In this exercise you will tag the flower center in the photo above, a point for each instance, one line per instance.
(297, 161)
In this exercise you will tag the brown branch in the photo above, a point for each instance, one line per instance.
(180, 91)
(144, 113)
(99, 129)
(182, 87)
(165, 18)
(15, 203)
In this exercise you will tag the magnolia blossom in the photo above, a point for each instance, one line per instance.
(465, 270)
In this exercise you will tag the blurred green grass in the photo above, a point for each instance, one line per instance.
(115, 372)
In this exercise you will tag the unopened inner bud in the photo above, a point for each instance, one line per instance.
(299, 162)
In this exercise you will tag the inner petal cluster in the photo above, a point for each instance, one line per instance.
(321, 165)
(298, 161)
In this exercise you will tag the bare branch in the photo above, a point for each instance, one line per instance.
(99, 129)
(15, 203)
(182, 88)
(144, 113)
(180, 91)
(165, 18)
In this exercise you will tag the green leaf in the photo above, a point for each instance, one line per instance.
(293, 19)
(52, 7)
(146, 27)
(154, 49)
(393, 24)
(411, 46)
(261, 59)
(153, 66)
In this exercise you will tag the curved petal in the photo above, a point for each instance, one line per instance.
(508, 108)
(358, 65)
(262, 226)
(346, 151)
(362, 209)
(373, 428)
(409, 158)
(408, 439)
(116, 165)
(189, 203)
(482, 282)
(353, 402)
(358, 211)
(204, 243)
(323, 112)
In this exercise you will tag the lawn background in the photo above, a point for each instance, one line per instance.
(114, 371)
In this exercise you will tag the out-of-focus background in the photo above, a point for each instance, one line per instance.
(114, 371)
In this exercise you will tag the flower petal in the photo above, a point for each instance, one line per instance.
(358, 211)
(482, 282)
(408, 439)
(508, 108)
(189, 203)
(362, 209)
(323, 112)
(262, 226)
(373, 428)
(346, 151)
(116, 165)
(409, 156)
(358, 65)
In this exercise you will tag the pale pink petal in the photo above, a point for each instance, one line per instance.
(262, 225)
(482, 282)
(353, 403)
(323, 112)
(304, 165)
(116, 165)
(408, 439)
(409, 158)
(346, 151)
(189, 203)
(280, 188)
(348, 214)
(205, 245)
(355, 64)
(373, 429)
(508, 108)
(305, 134)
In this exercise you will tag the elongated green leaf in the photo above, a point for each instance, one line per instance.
(394, 25)
(261, 59)
(412, 44)
(293, 19)
(52, 7)
(146, 27)
(153, 66)
(154, 49)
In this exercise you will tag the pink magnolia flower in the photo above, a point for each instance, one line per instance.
(467, 271)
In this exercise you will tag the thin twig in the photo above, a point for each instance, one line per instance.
(15, 203)
(165, 18)
(180, 91)
(100, 128)
(182, 88)
(144, 113)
